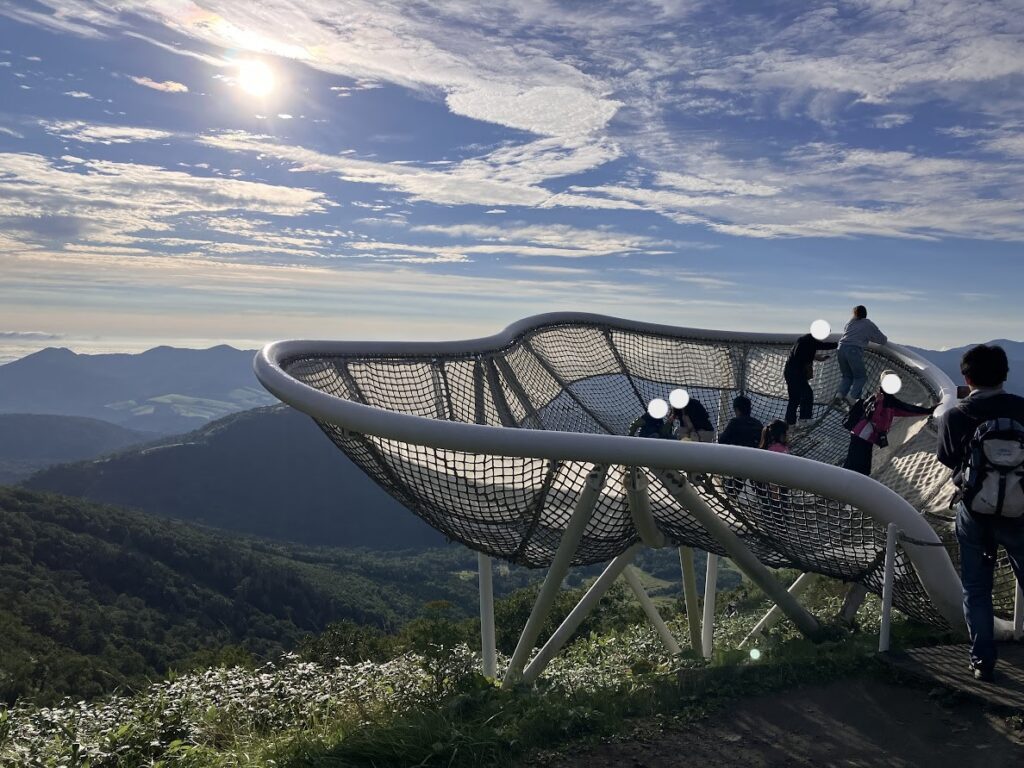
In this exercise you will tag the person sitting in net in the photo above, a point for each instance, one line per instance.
(656, 421)
(870, 419)
(774, 438)
(694, 422)
(743, 430)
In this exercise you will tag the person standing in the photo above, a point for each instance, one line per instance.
(990, 498)
(799, 371)
(858, 333)
(744, 430)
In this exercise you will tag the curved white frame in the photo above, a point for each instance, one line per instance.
(931, 561)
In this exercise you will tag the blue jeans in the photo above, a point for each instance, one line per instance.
(978, 537)
(851, 366)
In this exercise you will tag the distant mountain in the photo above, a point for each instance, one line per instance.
(30, 442)
(949, 361)
(164, 389)
(95, 597)
(269, 472)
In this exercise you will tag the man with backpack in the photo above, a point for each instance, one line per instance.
(982, 440)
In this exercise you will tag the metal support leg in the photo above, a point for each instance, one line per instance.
(686, 565)
(1018, 614)
(707, 640)
(887, 585)
(640, 508)
(572, 622)
(771, 618)
(556, 573)
(745, 560)
(652, 612)
(487, 648)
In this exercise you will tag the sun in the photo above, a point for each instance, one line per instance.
(255, 77)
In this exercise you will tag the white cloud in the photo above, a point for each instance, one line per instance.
(10, 132)
(167, 86)
(103, 134)
(78, 94)
(892, 120)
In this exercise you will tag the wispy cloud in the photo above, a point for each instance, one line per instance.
(104, 134)
(167, 86)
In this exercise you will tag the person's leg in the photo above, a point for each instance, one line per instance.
(855, 359)
(858, 456)
(976, 569)
(846, 380)
(793, 390)
(806, 400)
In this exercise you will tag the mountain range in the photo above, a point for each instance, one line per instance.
(164, 390)
(949, 361)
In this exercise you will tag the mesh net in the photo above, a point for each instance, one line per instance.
(593, 378)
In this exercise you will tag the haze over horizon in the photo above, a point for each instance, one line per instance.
(192, 173)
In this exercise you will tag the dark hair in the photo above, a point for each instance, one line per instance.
(773, 433)
(985, 366)
(742, 404)
(860, 311)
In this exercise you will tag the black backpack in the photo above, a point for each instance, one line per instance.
(993, 474)
(862, 409)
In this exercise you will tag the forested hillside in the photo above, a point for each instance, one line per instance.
(92, 597)
(268, 472)
(30, 441)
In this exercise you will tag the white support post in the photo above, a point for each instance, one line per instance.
(745, 560)
(707, 640)
(887, 587)
(487, 648)
(640, 508)
(576, 616)
(652, 612)
(556, 573)
(770, 619)
(686, 565)
(1018, 614)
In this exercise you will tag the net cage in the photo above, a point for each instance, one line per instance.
(490, 441)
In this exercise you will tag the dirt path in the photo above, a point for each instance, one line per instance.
(855, 723)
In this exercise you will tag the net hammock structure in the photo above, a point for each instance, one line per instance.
(517, 446)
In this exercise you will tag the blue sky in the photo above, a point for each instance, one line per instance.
(440, 169)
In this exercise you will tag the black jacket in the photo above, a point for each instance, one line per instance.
(802, 354)
(957, 426)
(742, 430)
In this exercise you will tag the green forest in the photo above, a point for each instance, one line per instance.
(95, 598)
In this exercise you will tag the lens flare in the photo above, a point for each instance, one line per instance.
(891, 383)
(657, 408)
(755, 654)
(679, 398)
(255, 77)
(820, 329)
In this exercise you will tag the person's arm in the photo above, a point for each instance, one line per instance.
(877, 336)
(825, 344)
(949, 450)
(728, 435)
(906, 409)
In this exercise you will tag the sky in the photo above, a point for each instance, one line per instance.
(239, 171)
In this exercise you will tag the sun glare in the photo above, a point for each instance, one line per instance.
(255, 77)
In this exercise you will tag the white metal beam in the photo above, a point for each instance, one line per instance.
(889, 576)
(686, 565)
(576, 616)
(574, 530)
(745, 560)
(487, 648)
(640, 508)
(707, 641)
(651, 611)
(770, 619)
